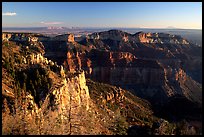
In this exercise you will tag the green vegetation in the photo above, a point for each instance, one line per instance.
(129, 114)
(25, 79)
(34, 80)
(120, 126)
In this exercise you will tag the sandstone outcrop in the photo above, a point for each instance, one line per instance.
(23, 37)
(65, 37)
(157, 38)
(6, 36)
(73, 62)
(160, 38)
(111, 34)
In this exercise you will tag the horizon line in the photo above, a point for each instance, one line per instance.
(101, 27)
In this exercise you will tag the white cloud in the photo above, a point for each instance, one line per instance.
(51, 23)
(9, 14)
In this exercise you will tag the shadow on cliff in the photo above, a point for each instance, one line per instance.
(179, 108)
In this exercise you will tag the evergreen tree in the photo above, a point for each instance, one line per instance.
(37, 74)
(24, 77)
(6, 108)
(24, 86)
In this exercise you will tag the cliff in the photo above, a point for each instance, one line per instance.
(139, 37)
(160, 38)
(21, 37)
(153, 65)
(73, 62)
(65, 37)
(48, 80)
(56, 101)
(53, 101)
(111, 34)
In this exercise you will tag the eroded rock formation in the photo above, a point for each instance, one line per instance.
(65, 37)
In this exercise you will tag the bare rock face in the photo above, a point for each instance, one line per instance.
(150, 63)
(15, 36)
(111, 34)
(122, 68)
(23, 37)
(6, 36)
(175, 74)
(160, 38)
(73, 62)
(72, 92)
(67, 100)
(33, 39)
(149, 78)
(140, 37)
(118, 68)
(107, 58)
(144, 38)
(63, 106)
(65, 37)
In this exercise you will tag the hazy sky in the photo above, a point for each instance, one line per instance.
(103, 14)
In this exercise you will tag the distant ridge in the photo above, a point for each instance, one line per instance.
(194, 35)
(171, 27)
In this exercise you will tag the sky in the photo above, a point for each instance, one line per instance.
(186, 15)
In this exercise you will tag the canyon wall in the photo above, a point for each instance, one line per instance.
(147, 78)
(65, 37)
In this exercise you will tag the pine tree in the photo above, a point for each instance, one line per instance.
(18, 89)
(37, 74)
(24, 108)
(24, 77)
(6, 107)
(24, 86)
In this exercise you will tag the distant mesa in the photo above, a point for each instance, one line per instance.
(52, 27)
(171, 27)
